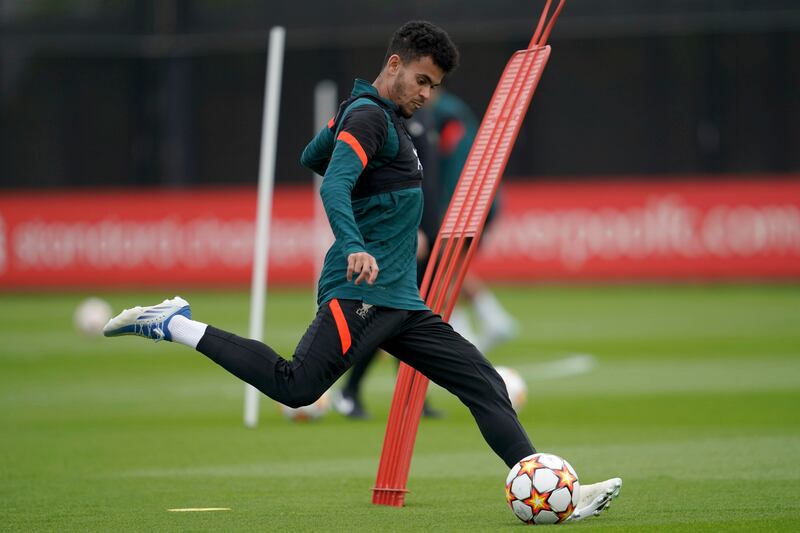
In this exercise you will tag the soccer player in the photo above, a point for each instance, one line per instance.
(368, 296)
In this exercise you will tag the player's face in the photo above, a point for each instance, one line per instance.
(413, 83)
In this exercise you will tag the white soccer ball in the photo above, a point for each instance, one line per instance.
(542, 489)
(91, 315)
(517, 389)
(307, 412)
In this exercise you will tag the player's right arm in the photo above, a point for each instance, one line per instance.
(360, 136)
(317, 155)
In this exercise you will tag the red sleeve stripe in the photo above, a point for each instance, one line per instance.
(331, 122)
(451, 135)
(341, 324)
(355, 145)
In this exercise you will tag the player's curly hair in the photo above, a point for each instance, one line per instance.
(420, 38)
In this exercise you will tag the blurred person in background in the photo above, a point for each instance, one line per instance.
(457, 126)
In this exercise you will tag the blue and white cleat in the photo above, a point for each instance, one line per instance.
(151, 322)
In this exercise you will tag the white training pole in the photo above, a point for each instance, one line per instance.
(266, 178)
(325, 107)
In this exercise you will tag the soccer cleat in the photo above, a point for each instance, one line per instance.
(348, 405)
(151, 322)
(596, 498)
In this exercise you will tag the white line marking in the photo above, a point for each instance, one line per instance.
(569, 365)
(572, 365)
(198, 509)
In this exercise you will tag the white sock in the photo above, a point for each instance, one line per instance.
(459, 320)
(491, 312)
(186, 331)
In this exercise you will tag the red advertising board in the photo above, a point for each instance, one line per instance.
(616, 230)
(639, 230)
(152, 237)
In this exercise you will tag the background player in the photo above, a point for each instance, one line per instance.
(456, 127)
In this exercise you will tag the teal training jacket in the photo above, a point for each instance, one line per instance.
(372, 197)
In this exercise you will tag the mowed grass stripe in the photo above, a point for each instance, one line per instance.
(714, 459)
(642, 375)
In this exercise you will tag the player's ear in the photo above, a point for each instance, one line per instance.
(393, 64)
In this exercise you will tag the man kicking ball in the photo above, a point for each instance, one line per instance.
(368, 296)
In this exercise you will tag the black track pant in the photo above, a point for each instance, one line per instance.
(345, 331)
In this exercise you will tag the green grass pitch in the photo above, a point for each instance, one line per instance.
(693, 399)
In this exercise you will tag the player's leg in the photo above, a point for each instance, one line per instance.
(495, 323)
(336, 338)
(348, 402)
(430, 345)
(341, 334)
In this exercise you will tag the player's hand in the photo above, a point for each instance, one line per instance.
(423, 246)
(364, 265)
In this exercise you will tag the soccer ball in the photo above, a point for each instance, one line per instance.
(307, 412)
(517, 390)
(91, 315)
(542, 489)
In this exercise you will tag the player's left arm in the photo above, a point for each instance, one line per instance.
(362, 134)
